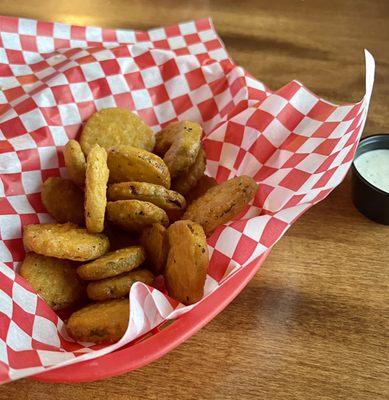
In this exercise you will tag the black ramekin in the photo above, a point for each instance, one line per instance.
(368, 199)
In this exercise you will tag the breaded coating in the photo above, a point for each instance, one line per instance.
(55, 280)
(118, 286)
(96, 189)
(115, 126)
(112, 264)
(64, 200)
(75, 162)
(135, 215)
(221, 203)
(155, 242)
(128, 164)
(103, 322)
(183, 151)
(64, 241)
(156, 194)
(187, 262)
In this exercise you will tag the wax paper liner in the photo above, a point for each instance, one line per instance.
(53, 76)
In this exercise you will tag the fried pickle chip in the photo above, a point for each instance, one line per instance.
(55, 280)
(64, 241)
(156, 194)
(187, 262)
(64, 200)
(135, 215)
(188, 180)
(96, 189)
(128, 163)
(165, 138)
(202, 185)
(221, 203)
(155, 242)
(118, 286)
(116, 126)
(183, 151)
(75, 162)
(112, 264)
(104, 322)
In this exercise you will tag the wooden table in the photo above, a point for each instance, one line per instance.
(313, 323)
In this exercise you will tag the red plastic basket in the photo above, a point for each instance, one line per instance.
(144, 352)
(298, 146)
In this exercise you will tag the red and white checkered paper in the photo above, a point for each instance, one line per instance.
(53, 76)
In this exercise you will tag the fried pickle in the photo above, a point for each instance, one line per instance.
(185, 182)
(115, 126)
(183, 151)
(55, 280)
(127, 163)
(112, 264)
(221, 203)
(187, 262)
(118, 286)
(165, 138)
(64, 200)
(96, 189)
(155, 242)
(75, 162)
(156, 194)
(103, 322)
(64, 241)
(135, 215)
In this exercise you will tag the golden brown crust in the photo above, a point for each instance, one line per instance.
(135, 215)
(116, 126)
(221, 203)
(187, 262)
(165, 138)
(104, 322)
(155, 242)
(111, 264)
(96, 189)
(183, 151)
(64, 241)
(64, 200)
(75, 162)
(55, 280)
(156, 194)
(118, 286)
(202, 185)
(128, 164)
(185, 182)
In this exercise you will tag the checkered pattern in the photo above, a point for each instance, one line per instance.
(54, 76)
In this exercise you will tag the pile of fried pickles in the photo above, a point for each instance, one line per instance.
(136, 205)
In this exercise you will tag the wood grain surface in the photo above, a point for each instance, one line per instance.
(313, 323)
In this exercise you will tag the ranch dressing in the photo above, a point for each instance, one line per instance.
(374, 167)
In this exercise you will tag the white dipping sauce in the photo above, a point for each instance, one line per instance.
(374, 167)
